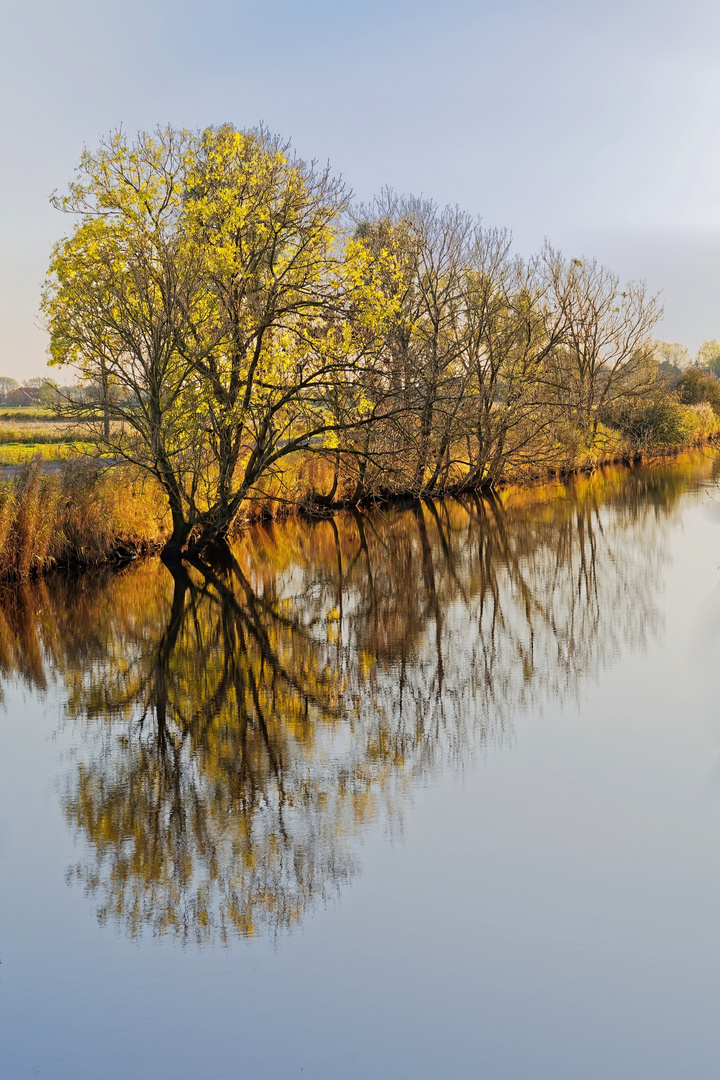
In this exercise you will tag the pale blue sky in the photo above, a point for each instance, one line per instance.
(594, 124)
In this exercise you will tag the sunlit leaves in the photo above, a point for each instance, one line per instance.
(207, 293)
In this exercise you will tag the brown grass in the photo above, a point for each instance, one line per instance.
(33, 430)
(76, 516)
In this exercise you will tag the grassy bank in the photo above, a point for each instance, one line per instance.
(81, 515)
(25, 415)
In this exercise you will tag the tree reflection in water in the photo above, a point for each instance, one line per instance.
(242, 722)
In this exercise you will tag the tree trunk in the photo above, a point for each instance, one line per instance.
(174, 549)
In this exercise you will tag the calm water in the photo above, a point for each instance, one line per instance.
(426, 793)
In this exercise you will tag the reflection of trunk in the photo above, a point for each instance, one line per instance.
(245, 750)
(181, 583)
(429, 576)
(447, 553)
(168, 751)
(338, 550)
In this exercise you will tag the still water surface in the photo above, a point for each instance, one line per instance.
(431, 792)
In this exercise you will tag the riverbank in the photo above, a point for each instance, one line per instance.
(77, 516)
(527, 479)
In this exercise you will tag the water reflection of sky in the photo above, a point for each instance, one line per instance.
(466, 755)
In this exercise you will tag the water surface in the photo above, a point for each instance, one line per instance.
(431, 791)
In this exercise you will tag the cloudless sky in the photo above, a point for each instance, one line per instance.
(594, 124)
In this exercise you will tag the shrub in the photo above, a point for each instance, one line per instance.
(659, 422)
(697, 385)
(701, 421)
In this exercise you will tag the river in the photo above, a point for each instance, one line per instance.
(429, 791)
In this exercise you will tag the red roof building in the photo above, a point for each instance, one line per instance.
(23, 396)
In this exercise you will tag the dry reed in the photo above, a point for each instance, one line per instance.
(77, 515)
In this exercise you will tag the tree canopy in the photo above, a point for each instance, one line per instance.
(227, 307)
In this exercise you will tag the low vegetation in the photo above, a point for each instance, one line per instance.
(27, 415)
(22, 439)
(76, 515)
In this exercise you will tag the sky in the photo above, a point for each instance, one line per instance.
(596, 125)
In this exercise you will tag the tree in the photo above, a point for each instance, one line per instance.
(49, 394)
(607, 354)
(671, 358)
(120, 286)
(222, 319)
(285, 354)
(425, 340)
(206, 295)
(698, 384)
(7, 386)
(708, 356)
(511, 335)
(467, 350)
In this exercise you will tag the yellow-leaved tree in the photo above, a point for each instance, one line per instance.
(214, 311)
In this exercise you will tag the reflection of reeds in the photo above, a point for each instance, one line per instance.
(73, 516)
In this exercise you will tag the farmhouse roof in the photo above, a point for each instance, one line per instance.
(24, 395)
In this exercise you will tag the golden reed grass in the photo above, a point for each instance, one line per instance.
(75, 515)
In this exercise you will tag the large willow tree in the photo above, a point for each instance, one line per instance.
(207, 300)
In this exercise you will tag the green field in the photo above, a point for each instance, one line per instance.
(25, 433)
(18, 453)
(26, 415)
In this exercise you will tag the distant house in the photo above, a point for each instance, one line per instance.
(23, 396)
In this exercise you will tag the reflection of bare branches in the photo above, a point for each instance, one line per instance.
(244, 721)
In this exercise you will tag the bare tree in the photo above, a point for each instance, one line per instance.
(608, 354)
(423, 344)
